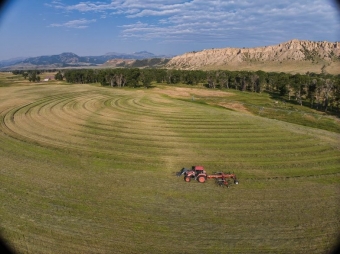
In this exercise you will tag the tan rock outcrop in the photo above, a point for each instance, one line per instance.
(294, 50)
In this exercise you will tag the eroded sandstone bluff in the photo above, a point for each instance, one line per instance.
(321, 53)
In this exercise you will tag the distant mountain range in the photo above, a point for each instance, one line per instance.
(68, 59)
(10, 62)
(294, 56)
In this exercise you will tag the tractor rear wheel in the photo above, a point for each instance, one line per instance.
(201, 179)
(187, 179)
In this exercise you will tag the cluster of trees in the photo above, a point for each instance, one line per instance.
(321, 91)
(32, 75)
(21, 72)
(133, 77)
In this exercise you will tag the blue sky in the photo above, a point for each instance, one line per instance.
(88, 28)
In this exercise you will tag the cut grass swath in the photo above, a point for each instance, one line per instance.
(87, 169)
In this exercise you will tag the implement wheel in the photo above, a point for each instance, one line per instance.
(187, 179)
(201, 179)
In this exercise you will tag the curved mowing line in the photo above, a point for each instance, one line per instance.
(38, 125)
(121, 148)
(148, 128)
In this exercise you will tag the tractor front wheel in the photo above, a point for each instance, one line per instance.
(201, 179)
(187, 179)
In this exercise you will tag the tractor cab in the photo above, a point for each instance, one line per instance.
(198, 170)
(199, 174)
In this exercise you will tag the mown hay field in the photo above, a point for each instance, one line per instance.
(88, 169)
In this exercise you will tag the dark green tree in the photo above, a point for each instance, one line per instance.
(146, 78)
(58, 76)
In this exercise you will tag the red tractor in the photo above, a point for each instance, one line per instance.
(198, 173)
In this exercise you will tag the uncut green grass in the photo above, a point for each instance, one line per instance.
(275, 107)
(85, 169)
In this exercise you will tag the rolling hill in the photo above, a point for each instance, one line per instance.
(69, 59)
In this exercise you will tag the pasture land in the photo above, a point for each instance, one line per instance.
(87, 169)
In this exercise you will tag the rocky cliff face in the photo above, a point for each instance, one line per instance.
(291, 51)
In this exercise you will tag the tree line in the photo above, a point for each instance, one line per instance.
(319, 91)
(31, 75)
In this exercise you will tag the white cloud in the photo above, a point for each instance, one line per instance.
(78, 23)
(147, 13)
(207, 20)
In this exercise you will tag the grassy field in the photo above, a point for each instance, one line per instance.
(87, 169)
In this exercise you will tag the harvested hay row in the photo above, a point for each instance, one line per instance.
(89, 169)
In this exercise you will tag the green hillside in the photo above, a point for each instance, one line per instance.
(89, 169)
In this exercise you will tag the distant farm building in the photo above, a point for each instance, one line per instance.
(47, 79)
